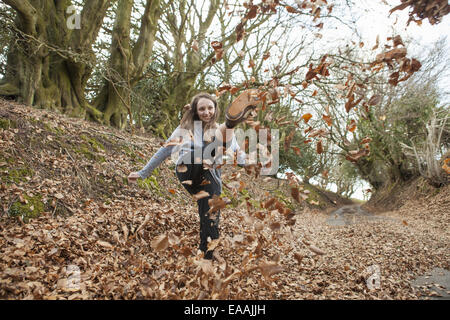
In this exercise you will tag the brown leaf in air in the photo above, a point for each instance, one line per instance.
(316, 250)
(269, 269)
(319, 147)
(295, 194)
(160, 243)
(306, 117)
(374, 100)
(327, 119)
(200, 195)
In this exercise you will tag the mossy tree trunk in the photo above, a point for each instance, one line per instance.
(50, 60)
(126, 62)
(49, 63)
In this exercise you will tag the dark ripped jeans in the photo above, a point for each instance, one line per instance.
(209, 222)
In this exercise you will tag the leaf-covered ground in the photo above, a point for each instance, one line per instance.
(96, 237)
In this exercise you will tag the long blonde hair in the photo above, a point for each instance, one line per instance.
(191, 115)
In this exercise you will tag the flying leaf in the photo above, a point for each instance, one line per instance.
(194, 45)
(306, 117)
(200, 195)
(316, 250)
(374, 100)
(295, 194)
(327, 119)
(216, 203)
(296, 150)
(291, 9)
(275, 226)
(446, 166)
(269, 269)
(298, 257)
(352, 126)
(160, 243)
(319, 147)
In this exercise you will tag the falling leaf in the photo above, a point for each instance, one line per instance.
(269, 269)
(306, 117)
(374, 100)
(298, 257)
(269, 203)
(216, 203)
(446, 166)
(160, 243)
(295, 194)
(194, 45)
(352, 126)
(213, 244)
(296, 150)
(275, 226)
(316, 250)
(291, 9)
(182, 168)
(327, 119)
(319, 147)
(200, 195)
(105, 244)
(398, 41)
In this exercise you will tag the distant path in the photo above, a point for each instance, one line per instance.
(352, 214)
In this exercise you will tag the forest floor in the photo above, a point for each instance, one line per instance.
(72, 228)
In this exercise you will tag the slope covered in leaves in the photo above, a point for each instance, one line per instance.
(95, 237)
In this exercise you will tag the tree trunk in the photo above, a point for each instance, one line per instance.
(48, 63)
(127, 64)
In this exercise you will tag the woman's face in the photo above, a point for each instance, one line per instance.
(205, 109)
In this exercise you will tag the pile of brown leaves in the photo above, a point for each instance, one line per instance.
(114, 241)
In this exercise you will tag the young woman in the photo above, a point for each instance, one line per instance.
(198, 141)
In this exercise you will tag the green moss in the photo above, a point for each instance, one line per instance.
(32, 209)
(55, 130)
(284, 199)
(7, 123)
(97, 146)
(10, 173)
(85, 149)
(150, 183)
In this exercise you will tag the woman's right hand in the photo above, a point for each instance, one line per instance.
(132, 177)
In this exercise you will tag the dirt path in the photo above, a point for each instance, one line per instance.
(352, 214)
(433, 285)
